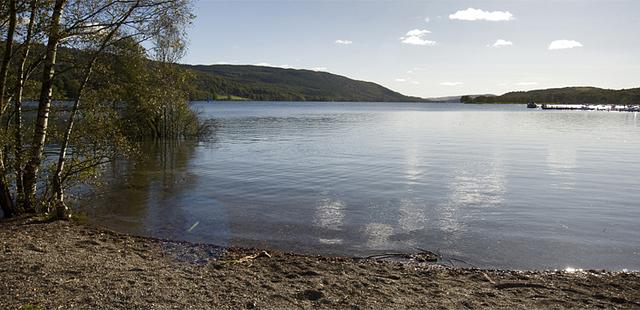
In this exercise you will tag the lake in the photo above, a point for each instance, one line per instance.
(493, 185)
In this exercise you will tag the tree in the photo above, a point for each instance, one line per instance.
(87, 30)
(22, 76)
(44, 106)
(6, 200)
(59, 206)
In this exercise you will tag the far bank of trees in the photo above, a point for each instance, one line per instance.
(126, 86)
(567, 95)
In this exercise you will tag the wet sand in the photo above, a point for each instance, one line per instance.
(75, 266)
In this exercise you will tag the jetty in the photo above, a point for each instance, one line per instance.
(592, 107)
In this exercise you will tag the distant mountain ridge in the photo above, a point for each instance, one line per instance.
(278, 84)
(260, 83)
(446, 99)
(567, 95)
(249, 82)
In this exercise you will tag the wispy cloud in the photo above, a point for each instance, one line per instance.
(526, 83)
(266, 64)
(417, 37)
(564, 44)
(472, 14)
(414, 70)
(500, 43)
(451, 83)
(407, 80)
(343, 42)
(427, 19)
(88, 27)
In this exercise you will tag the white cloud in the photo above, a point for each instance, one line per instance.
(564, 44)
(451, 83)
(343, 42)
(427, 19)
(266, 64)
(526, 83)
(417, 37)
(417, 32)
(93, 27)
(472, 14)
(501, 43)
(414, 70)
(407, 80)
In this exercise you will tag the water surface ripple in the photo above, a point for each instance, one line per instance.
(494, 185)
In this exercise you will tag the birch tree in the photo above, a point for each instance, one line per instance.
(6, 200)
(44, 106)
(85, 27)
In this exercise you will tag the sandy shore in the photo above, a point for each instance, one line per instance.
(68, 265)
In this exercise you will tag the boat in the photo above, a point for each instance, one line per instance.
(592, 107)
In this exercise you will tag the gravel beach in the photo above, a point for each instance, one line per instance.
(67, 265)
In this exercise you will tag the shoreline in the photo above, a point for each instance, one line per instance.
(72, 265)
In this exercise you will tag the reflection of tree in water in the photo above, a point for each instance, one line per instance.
(145, 188)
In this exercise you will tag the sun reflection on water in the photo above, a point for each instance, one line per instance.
(573, 270)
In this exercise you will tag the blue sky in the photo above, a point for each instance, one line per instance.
(430, 48)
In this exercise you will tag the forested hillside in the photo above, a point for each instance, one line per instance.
(568, 95)
(268, 83)
(246, 82)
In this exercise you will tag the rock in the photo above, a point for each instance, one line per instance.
(312, 295)
(34, 248)
(309, 273)
(87, 243)
(263, 254)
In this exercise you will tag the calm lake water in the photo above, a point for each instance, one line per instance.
(494, 185)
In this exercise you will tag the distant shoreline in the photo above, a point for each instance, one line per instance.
(319, 101)
(565, 95)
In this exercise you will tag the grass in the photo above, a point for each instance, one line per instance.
(79, 217)
(231, 97)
